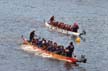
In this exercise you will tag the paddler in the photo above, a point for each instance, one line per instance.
(32, 34)
(75, 27)
(69, 50)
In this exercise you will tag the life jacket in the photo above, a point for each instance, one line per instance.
(62, 26)
(59, 25)
(65, 26)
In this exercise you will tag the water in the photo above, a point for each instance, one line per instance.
(19, 17)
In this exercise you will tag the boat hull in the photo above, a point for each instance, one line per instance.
(61, 30)
(26, 46)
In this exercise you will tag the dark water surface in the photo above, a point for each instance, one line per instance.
(19, 17)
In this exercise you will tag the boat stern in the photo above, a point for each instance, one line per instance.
(82, 59)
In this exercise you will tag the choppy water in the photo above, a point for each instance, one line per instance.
(19, 17)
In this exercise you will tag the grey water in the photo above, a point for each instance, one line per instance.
(20, 17)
